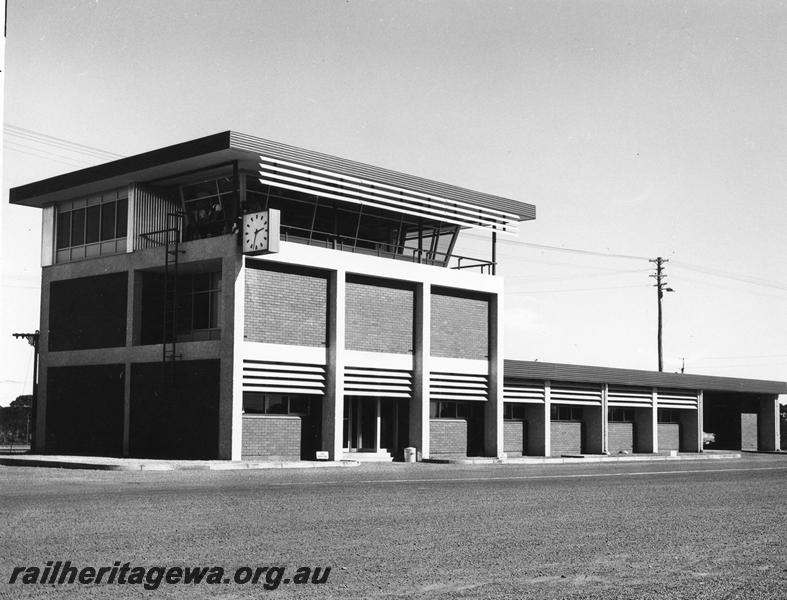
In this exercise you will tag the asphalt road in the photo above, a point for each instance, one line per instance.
(698, 529)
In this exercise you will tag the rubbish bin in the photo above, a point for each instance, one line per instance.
(409, 454)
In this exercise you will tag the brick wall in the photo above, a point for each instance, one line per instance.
(620, 437)
(669, 437)
(271, 438)
(460, 326)
(566, 437)
(514, 437)
(285, 307)
(448, 437)
(379, 317)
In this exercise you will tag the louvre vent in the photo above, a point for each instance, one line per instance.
(575, 393)
(623, 395)
(283, 378)
(524, 390)
(457, 386)
(668, 398)
(363, 381)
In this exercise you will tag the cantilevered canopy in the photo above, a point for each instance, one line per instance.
(395, 191)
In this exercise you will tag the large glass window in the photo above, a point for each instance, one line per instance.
(620, 415)
(352, 227)
(198, 306)
(209, 207)
(91, 226)
(565, 412)
(275, 404)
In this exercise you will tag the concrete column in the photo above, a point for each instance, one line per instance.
(418, 434)
(547, 418)
(654, 413)
(646, 424)
(333, 408)
(233, 294)
(605, 418)
(493, 410)
(700, 420)
(133, 323)
(43, 365)
(768, 434)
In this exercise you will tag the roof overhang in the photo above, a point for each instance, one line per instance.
(248, 151)
(519, 369)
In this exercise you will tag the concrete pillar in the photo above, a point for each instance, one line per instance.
(418, 434)
(700, 420)
(133, 326)
(493, 410)
(43, 364)
(233, 295)
(646, 425)
(605, 418)
(768, 434)
(547, 418)
(333, 408)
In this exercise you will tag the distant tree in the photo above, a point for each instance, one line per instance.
(26, 400)
(15, 421)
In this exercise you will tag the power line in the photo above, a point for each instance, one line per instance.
(37, 137)
(734, 276)
(590, 289)
(564, 249)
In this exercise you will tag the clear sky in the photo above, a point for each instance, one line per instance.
(638, 129)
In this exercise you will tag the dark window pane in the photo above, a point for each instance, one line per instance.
(202, 282)
(78, 227)
(253, 402)
(122, 212)
(108, 221)
(93, 224)
(214, 310)
(63, 230)
(276, 405)
(201, 311)
(299, 405)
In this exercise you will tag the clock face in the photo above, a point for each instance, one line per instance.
(255, 232)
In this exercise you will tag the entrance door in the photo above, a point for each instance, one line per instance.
(360, 424)
(370, 424)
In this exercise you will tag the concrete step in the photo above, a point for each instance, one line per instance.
(381, 455)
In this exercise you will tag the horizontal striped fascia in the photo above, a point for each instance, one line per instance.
(328, 184)
(575, 393)
(362, 381)
(524, 391)
(283, 378)
(456, 386)
(667, 398)
(619, 395)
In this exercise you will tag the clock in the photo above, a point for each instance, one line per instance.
(260, 232)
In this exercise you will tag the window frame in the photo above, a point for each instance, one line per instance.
(92, 240)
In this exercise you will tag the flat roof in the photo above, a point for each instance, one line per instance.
(520, 369)
(229, 146)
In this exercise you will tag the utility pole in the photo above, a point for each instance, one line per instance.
(660, 289)
(32, 339)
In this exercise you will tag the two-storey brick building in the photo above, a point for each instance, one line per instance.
(236, 298)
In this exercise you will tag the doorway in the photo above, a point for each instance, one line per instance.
(373, 424)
